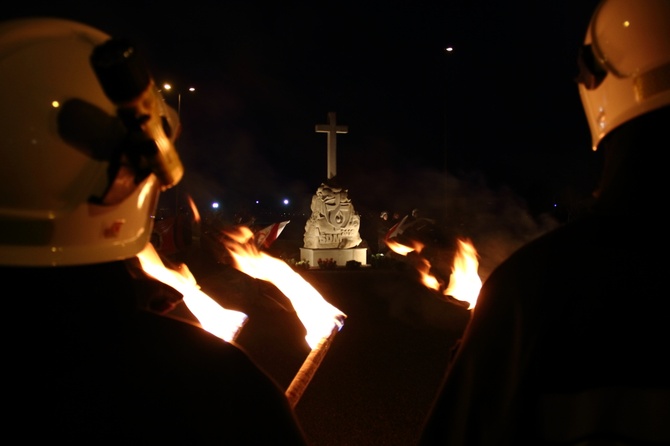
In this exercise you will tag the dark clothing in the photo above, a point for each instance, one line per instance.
(567, 343)
(85, 364)
(573, 321)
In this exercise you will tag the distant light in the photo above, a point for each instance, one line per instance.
(55, 104)
(215, 205)
(168, 87)
(449, 49)
(258, 201)
(286, 202)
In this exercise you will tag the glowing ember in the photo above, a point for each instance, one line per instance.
(464, 282)
(318, 316)
(217, 320)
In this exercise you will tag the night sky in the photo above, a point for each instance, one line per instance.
(499, 114)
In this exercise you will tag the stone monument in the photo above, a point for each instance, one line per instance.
(333, 228)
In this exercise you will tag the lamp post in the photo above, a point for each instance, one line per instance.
(448, 75)
(168, 87)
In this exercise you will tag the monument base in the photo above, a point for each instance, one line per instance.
(341, 256)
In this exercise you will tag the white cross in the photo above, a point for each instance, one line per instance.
(332, 129)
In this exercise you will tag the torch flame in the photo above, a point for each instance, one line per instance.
(318, 316)
(194, 209)
(426, 278)
(403, 250)
(464, 281)
(217, 320)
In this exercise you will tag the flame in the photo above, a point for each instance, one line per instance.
(217, 320)
(318, 316)
(423, 265)
(403, 250)
(426, 278)
(464, 282)
(194, 209)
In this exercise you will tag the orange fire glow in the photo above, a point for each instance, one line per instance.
(194, 209)
(318, 316)
(464, 281)
(217, 320)
(401, 249)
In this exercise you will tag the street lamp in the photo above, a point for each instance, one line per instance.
(168, 87)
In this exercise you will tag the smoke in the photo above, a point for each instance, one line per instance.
(495, 219)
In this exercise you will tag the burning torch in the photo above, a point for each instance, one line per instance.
(322, 321)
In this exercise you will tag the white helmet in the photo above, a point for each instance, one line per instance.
(86, 145)
(625, 65)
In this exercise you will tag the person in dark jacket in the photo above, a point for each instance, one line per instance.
(566, 344)
(91, 354)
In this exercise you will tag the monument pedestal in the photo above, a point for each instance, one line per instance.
(341, 256)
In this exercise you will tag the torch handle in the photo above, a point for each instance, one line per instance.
(309, 367)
